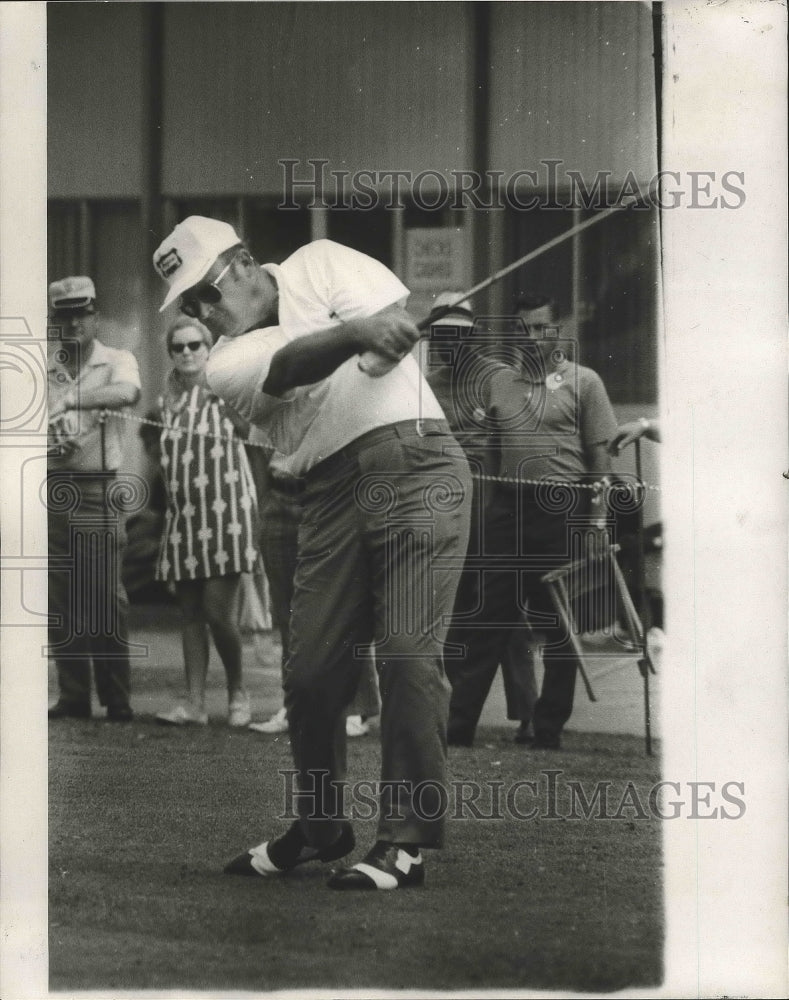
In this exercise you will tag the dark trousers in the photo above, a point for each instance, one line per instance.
(511, 647)
(517, 672)
(88, 607)
(521, 542)
(280, 514)
(381, 545)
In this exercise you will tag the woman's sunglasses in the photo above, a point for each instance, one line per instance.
(208, 294)
(193, 345)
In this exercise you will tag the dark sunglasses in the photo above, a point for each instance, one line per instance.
(208, 294)
(193, 345)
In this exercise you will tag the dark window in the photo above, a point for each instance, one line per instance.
(273, 234)
(617, 312)
(117, 260)
(225, 209)
(63, 238)
(368, 231)
(416, 217)
(552, 273)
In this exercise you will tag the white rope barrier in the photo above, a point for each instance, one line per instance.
(597, 486)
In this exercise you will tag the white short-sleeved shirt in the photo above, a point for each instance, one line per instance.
(105, 366)
(320, 285)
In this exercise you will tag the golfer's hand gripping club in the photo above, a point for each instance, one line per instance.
(386, 338)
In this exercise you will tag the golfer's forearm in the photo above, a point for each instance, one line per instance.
(311, 358)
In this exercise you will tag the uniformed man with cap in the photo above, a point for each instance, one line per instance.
(87, 602)
(557, 422)
(469, 376)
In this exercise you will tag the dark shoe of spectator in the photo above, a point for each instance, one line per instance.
(386, 866)
(546, 741)
(275, 857)
(119, 713)
(68, 710)
(457, 737)
(524, 733)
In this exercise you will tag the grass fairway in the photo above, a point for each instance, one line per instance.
(142, 819)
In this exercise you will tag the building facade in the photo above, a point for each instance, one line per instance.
(445, 139)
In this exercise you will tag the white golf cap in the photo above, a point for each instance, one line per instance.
(189, 251)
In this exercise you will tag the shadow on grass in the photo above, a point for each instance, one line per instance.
(142, 819)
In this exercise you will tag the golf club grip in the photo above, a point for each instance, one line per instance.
(375, 365)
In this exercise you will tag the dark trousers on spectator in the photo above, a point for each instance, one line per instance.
(518, 674)
(522, 541)
(88, 606)
(511, 647)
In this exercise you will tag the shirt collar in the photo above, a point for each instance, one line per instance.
(100, 355)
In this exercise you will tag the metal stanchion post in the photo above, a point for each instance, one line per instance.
(644, 663)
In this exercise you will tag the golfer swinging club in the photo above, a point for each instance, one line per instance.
(383, 534)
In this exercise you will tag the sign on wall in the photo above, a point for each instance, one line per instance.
(435, 259)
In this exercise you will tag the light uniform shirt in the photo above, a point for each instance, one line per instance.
(105, 366)
(468, 394)
(548, 424)
(320, 286)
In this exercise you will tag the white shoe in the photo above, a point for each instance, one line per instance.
(238, 713)
(355, 727)
(183, 715)
(278, 723)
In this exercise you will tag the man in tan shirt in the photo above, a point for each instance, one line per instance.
(87, 602)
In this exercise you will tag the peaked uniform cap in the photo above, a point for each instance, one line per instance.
(461, 314)
(75, 292)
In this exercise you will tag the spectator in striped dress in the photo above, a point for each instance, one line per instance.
(211, 523)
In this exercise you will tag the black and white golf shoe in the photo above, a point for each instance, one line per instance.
(386, 866)
(276, 857)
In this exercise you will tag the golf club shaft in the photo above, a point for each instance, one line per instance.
(375, 365)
